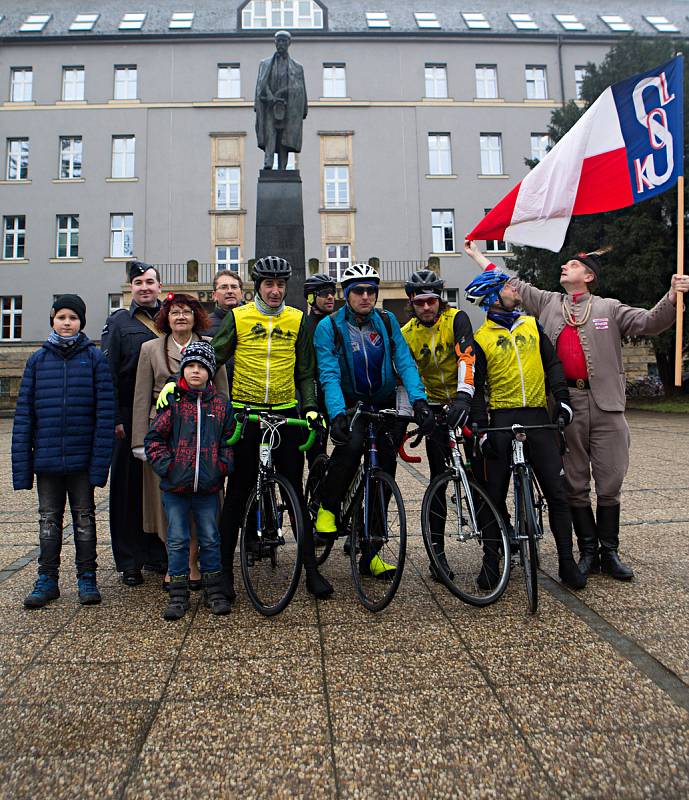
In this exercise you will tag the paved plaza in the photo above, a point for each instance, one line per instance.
(431, 698)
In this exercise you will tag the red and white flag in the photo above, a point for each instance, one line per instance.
(627, 147)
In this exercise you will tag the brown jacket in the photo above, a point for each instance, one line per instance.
(152, 374)
(601, 336)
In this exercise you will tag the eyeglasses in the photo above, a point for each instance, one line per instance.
(226, 287)
(372, 291)
(325, 293)
(178, 313)
(424, 301)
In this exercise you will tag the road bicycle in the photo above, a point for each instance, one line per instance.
(270, 545)
(372, 514)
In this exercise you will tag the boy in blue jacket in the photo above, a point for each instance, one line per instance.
(63, 433)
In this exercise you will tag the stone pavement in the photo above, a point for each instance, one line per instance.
(431, 698)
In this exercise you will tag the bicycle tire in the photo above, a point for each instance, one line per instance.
(322, 547)
(528, 526)
(271, 571)
(390, 538)
(464, 550)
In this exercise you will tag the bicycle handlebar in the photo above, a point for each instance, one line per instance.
(279, 420)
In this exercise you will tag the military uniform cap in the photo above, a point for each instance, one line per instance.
(136, 268)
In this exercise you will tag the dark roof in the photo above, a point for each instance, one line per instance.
(213, 17)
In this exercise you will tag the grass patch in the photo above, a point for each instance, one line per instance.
(667, 405)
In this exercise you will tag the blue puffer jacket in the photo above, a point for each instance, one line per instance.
(65, 417)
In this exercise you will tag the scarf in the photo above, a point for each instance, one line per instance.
(63, 342)
(504, 318)
(264, 308)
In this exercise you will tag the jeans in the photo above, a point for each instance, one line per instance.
(204, 508)
(53, 491)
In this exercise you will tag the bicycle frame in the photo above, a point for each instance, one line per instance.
(456, 464)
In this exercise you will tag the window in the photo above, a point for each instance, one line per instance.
(282, 14)
(17, 160)
(13, 237)
(84, 22)
(229, 85)
(579, 75)
(70, 157)
(72, 83)
(486, 80)
(67, 236)
(336, 189)
(426, 19)
(443, 227)
(34, 23)
(451, 298)
(114, 303)
(182, 19)
(436, 80)
(491, 153)
(121, 235)
(123, 156)
(132, 22)
(377, 19)
(495, 245)
(662, 24)
(125, 83)
(11, 313)
(616, 23)
(523, 22)
(439, 154)
(570, 22)
(540, 143)
(475, 20)
(536, 84)
(227, 257)
(334, 80)
(227, 187)
(339, 257)
(21, 84)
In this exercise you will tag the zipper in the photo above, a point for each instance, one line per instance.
(363, 349)
(64, 410)
(521, 371)
(437, 366)
(270, 340)
(198, 443)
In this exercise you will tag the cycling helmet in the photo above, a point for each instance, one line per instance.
(315, 283)
(484, 290)
(270, 267)
(424, 282)
(359, 273)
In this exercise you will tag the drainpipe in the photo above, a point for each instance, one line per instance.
(559, 64)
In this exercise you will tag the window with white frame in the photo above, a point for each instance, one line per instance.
(570, 22)
(125, 82)
(227, 256)
(72, 83)
(336, 186)
(540, 144)
(17, 160)
(133, 22)
(70, 157)
(443, 230)
(662, 24)
(475, 20)
(436, 80)
(34, 23)
(114, 303)
(491, 153)
(227, 188)
(523, 22)
(426, 19)
(84, 22)
(339, 257)
(229, 81)
(616, 23)
(181, 19)
(495, 245)
(21, 84)
(377, 19)
(439, 154)
(11, 314)
(282, 14)
(579, 75)
(486, 81)
(121, 235)
(334, 80)
(451, 297)
(67, 236)
(536, 83)
(13, 236)
(123, 156)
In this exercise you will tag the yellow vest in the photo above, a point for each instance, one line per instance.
(265, 355)
(515, 376)
(433, 349)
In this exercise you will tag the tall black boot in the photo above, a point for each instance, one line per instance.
(608, 523)
(316, 584)
(561, 526)
(587, 539)
(214, 596)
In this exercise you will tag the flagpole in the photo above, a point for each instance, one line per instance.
(680, 271)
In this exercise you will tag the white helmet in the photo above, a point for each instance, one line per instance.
(359, 273)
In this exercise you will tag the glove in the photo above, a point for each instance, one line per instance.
(167, 393)
(458, 412)
(563, 412)
(487, 448)
(339, 430)
(139, 452)
(315, 420)
(424, 417)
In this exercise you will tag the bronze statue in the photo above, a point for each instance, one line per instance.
(280, 103)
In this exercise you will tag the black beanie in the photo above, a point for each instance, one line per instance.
(201, 352)
(74, 303)
(592, 261)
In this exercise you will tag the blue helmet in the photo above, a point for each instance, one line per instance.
(484, 290)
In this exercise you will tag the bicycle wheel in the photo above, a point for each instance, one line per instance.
(458, 531)
(385, 542)
(528, 533)
(322, 546)
(271, 561)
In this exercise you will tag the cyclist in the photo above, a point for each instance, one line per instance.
(515, 362)
(358, 354)
(441, 341)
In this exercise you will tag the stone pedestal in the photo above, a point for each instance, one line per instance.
(280, 225)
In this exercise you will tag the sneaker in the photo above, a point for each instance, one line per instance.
(88, 589)
(45, 589)
(325, 522)
(377, 567)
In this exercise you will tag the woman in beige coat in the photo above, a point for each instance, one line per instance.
(180, 320)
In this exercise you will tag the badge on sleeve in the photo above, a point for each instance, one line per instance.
(601, 324)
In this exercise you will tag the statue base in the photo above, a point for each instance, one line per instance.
(280, 225)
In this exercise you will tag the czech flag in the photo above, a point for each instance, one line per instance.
(627, 147)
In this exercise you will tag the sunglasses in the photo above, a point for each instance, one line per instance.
(325, 293)
(424, 301)
(372, 291)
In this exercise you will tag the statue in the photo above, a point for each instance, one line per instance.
(280, 103)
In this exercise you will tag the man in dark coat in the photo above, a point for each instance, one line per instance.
(280, 103)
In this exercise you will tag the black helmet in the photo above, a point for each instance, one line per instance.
(270, 267)
(318, 281)
(424, 281)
